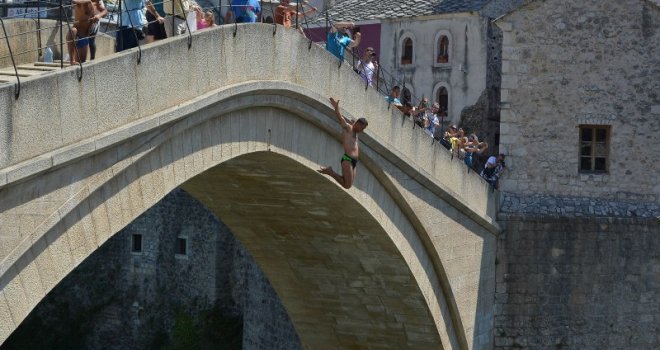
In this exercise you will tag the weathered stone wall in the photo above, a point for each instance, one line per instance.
(121, 300)
(567, 63)
(578, 283)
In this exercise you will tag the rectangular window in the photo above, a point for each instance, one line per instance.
(182, 246)
(594, 148)
(136, 243)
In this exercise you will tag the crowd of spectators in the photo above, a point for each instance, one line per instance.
(464, 147)
(139, 14)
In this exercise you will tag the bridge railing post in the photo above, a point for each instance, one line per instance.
(17, 91)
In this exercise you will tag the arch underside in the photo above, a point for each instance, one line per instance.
(340, 277)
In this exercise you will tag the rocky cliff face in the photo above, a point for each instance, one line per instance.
(156, 297)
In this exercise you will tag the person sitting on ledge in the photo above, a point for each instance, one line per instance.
(349, 139)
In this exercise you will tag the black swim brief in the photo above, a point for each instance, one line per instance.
(347, 158)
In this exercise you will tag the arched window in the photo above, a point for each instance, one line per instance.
(443, 99)
(443, 50)
(407, 57)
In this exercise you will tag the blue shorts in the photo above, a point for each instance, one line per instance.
(80, 43)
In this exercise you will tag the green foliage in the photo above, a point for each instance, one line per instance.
(185, 335)
(211, 329)
(222, 332)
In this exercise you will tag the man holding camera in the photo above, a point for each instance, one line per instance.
(367, 66)
(132, 22)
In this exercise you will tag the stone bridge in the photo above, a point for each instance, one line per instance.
(404, 259)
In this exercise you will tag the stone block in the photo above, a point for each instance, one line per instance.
(73, 152)
(510, 53)
(508, 39)
(124, 103)
(30, 279)
(505, 26)
(506, 67)
(29, 168)
(509, 82)
(36, 126)
(7, 325)
(15, 295)
(655, 109)
(78, 101)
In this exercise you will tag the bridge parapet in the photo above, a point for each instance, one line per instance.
(108, 143)
(58, 119)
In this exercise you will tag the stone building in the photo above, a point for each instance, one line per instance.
(580, 104)
(578, 262)
(175, 278)
(447, 51)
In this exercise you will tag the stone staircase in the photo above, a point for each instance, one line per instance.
(8, 75)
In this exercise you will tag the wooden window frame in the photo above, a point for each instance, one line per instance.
(593, 146)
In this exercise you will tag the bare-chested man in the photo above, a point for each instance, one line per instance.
(349, 139)
(84, 13)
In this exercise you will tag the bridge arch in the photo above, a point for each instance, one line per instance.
(134, 166)
(373, 265)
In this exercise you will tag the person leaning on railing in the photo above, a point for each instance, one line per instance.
(243, 11)
(394, 96)
(367, 66)
(209, 18)
(339, 38)
(472, 147)
(132, 21)
(285, 12)
(431, 120)
(493, 170)
(177, 12)
(156, 22)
